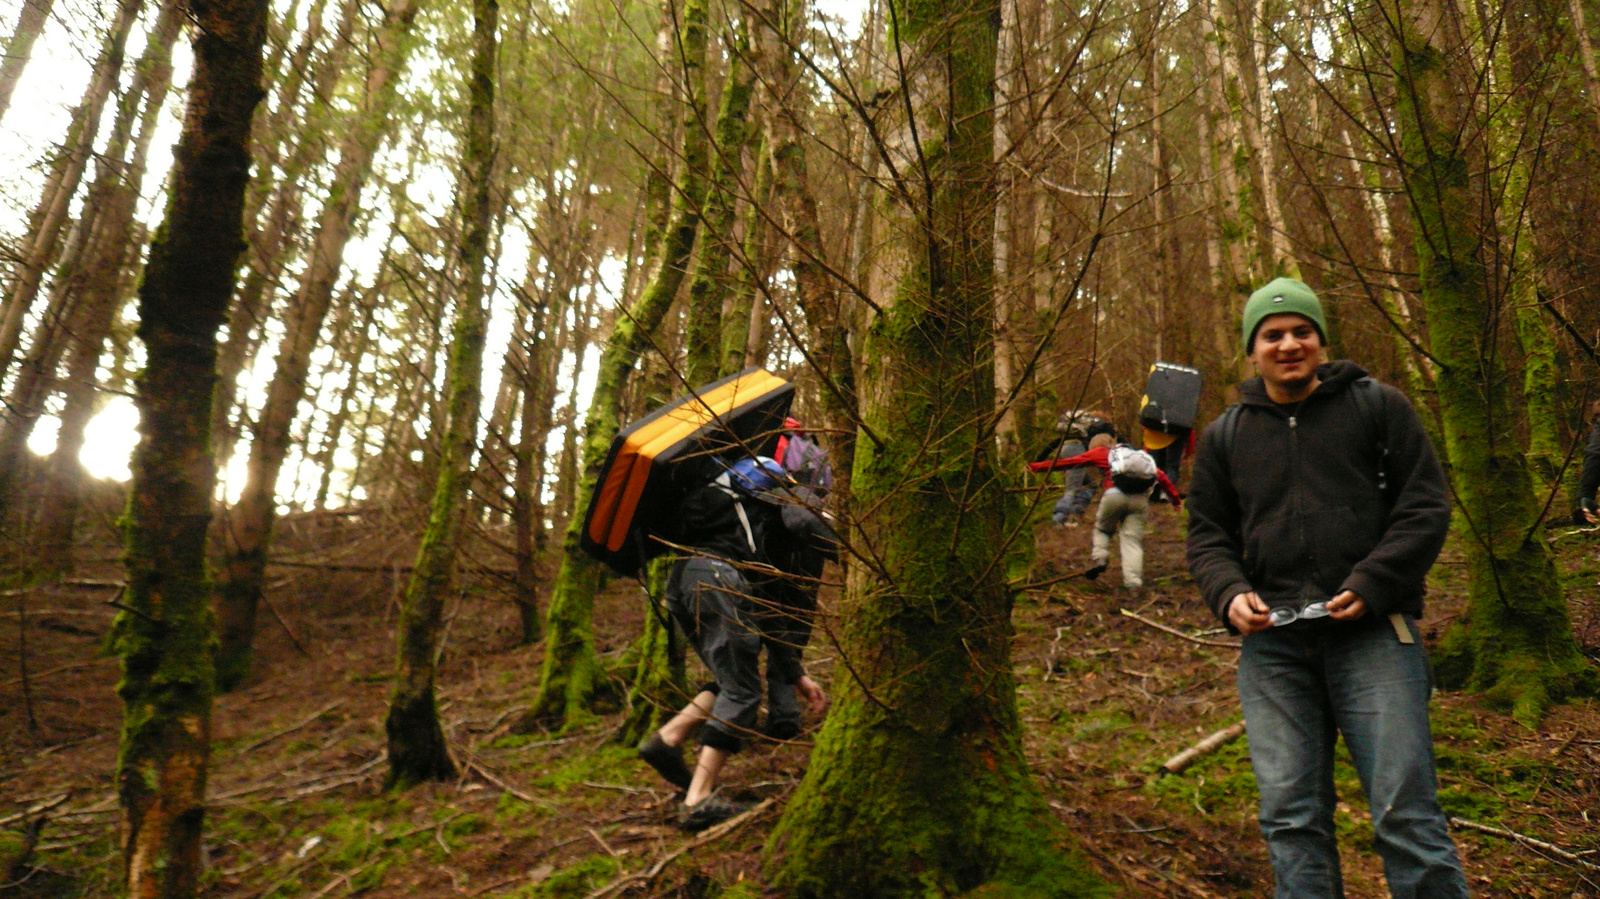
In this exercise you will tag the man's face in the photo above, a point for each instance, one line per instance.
(1287, 350)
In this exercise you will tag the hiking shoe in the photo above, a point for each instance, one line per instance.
(781, 729)
(667, 760)
(710, 811)
(1096, 570)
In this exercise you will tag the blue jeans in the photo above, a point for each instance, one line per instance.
(1300, 686)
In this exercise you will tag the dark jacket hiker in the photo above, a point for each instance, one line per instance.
(1317, 507)
(1296, 512)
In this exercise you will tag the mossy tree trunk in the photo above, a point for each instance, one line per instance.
(918, 785)
(708, 287)
(251, 519)
(815, 284)
(657, 685)
(535, 380)
(1529, 74)
(1516, 641)
(417, 747)
(164, 634)
(570, 673)
(744, 307)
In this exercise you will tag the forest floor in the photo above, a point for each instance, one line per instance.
(297, 809)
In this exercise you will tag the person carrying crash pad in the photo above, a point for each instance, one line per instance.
(1130, 475)
(732, 526)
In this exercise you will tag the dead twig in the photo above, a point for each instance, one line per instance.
(618, 787)
(285, 625)
(1175, 632)
(72, 667)
(601, 840)
(38, 809)
(1180, 762)
(1050, 657)
(474, 765)
(712, 835)
(1526, 840)
(293, 727)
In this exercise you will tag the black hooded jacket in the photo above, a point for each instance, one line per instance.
(1297, 515)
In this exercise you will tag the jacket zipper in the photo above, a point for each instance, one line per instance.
(1294, 473)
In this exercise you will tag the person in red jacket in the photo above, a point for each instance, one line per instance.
(1130, 476)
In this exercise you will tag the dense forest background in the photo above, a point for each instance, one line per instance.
(377, 284)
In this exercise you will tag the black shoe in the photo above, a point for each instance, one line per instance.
(781, 729)
(667, 760)
(1096, 570)
(709, 812)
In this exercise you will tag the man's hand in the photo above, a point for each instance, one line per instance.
(816, 700)
(1248, 614)
(1347, 606)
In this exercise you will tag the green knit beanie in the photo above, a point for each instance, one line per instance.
(1281, 296)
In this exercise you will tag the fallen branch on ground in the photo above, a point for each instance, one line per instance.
(1551, 848)
(293, 727)
(712, 835)
(474, 765)
(73, 667)
(1050, 658)
(1180, 762)
(38, 809)
(1174, 631)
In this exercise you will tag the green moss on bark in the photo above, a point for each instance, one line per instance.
(571, 674)
(658, 685)
(165, 632)
(918, 785)
(1516, 642)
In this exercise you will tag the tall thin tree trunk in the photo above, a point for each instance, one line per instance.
(19, 47)
(1586, 55)
(708, 287)
(570, 672)
(741, 320)
(417, 748)
(918, 785)
(324, 461)
(86, 279)
(281, 216)
(536, 381)
(164, 634)
(250, 522)
(1279, 256)
(791, 187)
(66, 173)
(1233, 275)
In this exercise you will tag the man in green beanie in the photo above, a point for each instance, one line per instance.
(1316, 508)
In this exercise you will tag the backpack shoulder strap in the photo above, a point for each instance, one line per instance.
(1228, 431)
(1369, 399)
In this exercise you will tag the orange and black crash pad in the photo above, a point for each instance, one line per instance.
(654, 461)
